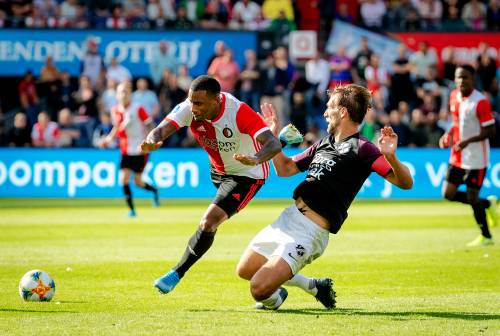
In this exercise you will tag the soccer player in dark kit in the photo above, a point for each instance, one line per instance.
(337, 166)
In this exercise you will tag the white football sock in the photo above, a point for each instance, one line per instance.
(274, 301)
(305, 283)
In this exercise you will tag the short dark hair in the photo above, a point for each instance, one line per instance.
(355, 98)
(206, 83)
(469, 68)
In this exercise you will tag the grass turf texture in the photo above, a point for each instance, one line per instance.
(399, 268)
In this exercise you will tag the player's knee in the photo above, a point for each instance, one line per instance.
(208, 225)
(243, 272)
(259, 290)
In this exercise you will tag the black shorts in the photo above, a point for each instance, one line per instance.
(136, 163)
(473, 178)
(234, 192)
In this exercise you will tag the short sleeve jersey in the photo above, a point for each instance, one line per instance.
(335, 173)
(131, 130)
(234, 130)
(469, 114)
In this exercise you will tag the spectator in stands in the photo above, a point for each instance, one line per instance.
(449, 66)
(298, 112)
(45, 133)
(343, 13)
(108, 97)
(281, 26)
(486, 71)
(372, 13)
(219, 48)
(28, 97)
(81, 21)
(474, 15)
(430, 12)
(245, 14)
(183, 78)
(418, 129)
(226, 71)
(92, 65)
(181, 20)
(117, 72)
(429, 104)
(36, 19)
(68, 9)
(19, 135)
(137, 18)
(272, 9)
(146, 98)
(216, 15)
(412, 22)
(162, 59)
(401, 87)
(453, 20)
(101, 10)
(361, 61)
(400, 128)
(270, 91)
(118, 19)
(434, 132)
(285, 76)
(194, 9)
(69, 133)
(369, 128)
(340, 68)
(155, 15)
(86, 105)
(249, 77)
(102, 130)
(377, 78)
(66, 91)
(317, 72)
(431, 85)
(400, 13)
(50, 86)
(422, 59)
(493, 15)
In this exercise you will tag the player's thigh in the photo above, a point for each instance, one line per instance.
(235, 192)
(250, 262)
(454, 178)
(274, 273)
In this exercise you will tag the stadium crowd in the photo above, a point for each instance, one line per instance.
(411, 95)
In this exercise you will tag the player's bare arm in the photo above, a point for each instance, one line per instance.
(387, 144)
(270, 147)
(485, 133)
(155, 138)
(112, 134)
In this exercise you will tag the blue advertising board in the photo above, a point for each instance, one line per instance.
(184, 173)
(25, 49)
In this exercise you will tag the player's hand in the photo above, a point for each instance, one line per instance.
(460, 145)
(247, 160)
(271, 118)
(147, 146)
(444, 141)
(388, 141)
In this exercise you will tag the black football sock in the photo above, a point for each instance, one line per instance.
(128, 196)
(461, 197)
(149, 187)
(199, 243)
(480, 216)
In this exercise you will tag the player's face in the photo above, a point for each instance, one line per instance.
(205, 106)
(464, 81)
(123, 94)
(333, 113)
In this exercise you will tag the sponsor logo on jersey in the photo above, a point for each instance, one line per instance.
(201, 129)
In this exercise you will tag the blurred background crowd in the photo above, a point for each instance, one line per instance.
(55, 109)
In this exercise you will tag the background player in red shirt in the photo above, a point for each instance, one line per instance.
(473, 124)
(239, 145)
(131, 124)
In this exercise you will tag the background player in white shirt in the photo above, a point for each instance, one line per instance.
(473, 124)
(131, 123)
(239, 145)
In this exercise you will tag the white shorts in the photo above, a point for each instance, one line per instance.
(293, 237)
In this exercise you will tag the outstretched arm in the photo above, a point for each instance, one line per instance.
(400, 175)
(155, 138)
(270, 147)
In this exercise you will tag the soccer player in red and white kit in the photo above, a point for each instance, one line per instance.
(473, 124)
(131, 123)
(239, 145)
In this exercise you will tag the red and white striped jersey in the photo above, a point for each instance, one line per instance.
(233, 131)
(49, 134)
(131, 127)
(469, 115)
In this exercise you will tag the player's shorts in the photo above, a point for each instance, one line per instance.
(293, 237)
(234, 192)
(473, 178)
(136, 163)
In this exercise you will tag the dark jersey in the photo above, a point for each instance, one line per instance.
(335, 173)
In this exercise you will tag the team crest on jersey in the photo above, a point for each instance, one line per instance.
(227, 132)
(343, 147)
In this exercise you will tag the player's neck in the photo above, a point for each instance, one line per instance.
(344, 132)
(466, 95)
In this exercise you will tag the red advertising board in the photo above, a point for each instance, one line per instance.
(464, 44)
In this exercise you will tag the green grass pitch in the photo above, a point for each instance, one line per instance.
(400, 268)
